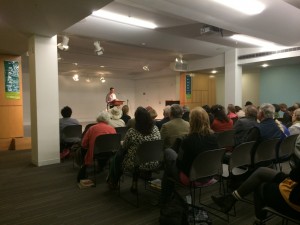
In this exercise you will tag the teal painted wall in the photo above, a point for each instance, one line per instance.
(280, 85)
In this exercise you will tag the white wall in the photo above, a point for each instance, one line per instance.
(154, 92)
(251, 86)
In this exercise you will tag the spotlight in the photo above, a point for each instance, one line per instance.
(98, 49)
(76, 77)
(146, 68)
(64, 44)
(102, 79)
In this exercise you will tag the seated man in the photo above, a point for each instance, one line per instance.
(176, 127)
(88, 142)
(166, 114)
(244, 124)
(66, 113)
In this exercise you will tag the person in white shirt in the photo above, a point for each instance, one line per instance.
(110, 97)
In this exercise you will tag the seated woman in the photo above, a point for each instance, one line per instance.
(125, 159)
(221, 121)
(125, 117)
(200, 138)
(271, 188)
(295, 128)
(231, 112)
(88, 142)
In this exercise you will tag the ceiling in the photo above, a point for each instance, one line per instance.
(127, 48)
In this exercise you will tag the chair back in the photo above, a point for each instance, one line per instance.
(225, 138)
(265, 151)
(150, 151)
(207, 164)
(122, 131)
(107, 143)
(287, 146)
(241, 155)
(72, 133)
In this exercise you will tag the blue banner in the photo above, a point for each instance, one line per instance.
(188, 86)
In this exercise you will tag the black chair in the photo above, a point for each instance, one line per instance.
(207, 164)
(239, 161)
(264, 154)
(286, 148)
(285, 218)
(226, 139)
(147, 152)
(71, 134)
(105, 146)
(122, 131)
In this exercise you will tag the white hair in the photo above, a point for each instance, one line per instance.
(103, 117)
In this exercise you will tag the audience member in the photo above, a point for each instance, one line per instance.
(239, 111)
(248, 103)
(152, 112)
(125, 117)
(66, 113)
(244, 124)
(295, 128)
(210, 115)
(186, 113)
(268, 127)
(231, 112)
(296, 105)
(277, 109)
(166, 114)
(271, 188)
(175, 128)
(200, 139)
(88, 142)
(125, 159)
(221, 121)
(115, 117)
(286, 117)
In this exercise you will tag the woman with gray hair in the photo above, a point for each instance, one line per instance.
(295, 128)
(88, 142)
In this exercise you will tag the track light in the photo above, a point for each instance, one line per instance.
(98, 49)
(76, 77)
(102, 79)
(179, 59)
(64, 44)
(146, 68)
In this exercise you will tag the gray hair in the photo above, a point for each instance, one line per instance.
(167, 111)
(176, 111)
(103, 117)
(297, 114)
(251, 111)
(268, 110)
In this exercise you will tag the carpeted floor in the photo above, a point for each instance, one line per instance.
(49, 195)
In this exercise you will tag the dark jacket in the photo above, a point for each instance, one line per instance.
(242, 127)
(191, 146)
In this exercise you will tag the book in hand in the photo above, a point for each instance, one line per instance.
(156, 184)
(86, 183)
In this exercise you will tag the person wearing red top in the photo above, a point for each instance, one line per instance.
(89, 138)
(221, 121)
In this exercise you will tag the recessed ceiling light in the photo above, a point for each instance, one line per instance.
(101, 66)
(124, 19)
(211, 76)
(248, 7)
(252, 40)
(75, 64)
(76, 77)
(264, 65)
(214, 71)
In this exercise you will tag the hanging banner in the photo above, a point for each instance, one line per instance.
(12, 82)
(188, 86)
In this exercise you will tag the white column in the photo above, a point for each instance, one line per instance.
(233, 79)
(43, 71)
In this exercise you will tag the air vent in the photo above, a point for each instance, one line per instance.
(181, 66)
(261, 54)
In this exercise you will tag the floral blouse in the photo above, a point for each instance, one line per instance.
(132, 140)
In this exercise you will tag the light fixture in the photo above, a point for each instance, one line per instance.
(248, 7)
(124, 19)
(102, 79)
(252, 40)
(214, 71)
(88, 80)
(98, 49)
(64, 44)
(264, 65)
(146, 68)
(211, 76)
(76, 77)
(179, 59)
